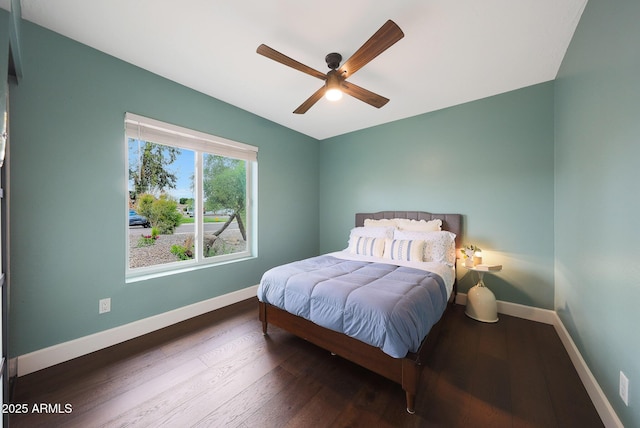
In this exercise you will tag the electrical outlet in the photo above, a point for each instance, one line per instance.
(624, 388)
(104, 306)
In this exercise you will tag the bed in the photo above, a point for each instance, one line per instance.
(329, 300)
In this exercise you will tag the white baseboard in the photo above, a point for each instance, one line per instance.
(47, 357)
(546, 316)
(599, 399)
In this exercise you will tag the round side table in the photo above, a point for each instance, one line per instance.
(481, 302)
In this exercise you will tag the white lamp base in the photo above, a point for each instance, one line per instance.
(481, 304)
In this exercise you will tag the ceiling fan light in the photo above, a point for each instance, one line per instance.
(333, 85)
(333, 94)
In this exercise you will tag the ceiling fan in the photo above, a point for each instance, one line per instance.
(335, 79)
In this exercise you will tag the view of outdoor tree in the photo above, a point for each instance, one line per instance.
(149, 171)
(161, 212)
(224, 186)
(151, 179)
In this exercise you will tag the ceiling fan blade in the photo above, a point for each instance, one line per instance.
(310, 101)
(364, 95)
(382, 40)
(283, 59)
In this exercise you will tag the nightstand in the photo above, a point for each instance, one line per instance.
(481, 302)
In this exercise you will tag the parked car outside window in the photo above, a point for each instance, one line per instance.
(136, 219)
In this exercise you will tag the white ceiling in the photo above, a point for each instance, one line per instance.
(453, 51)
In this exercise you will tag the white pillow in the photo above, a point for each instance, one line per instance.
(439, 247)
(372, 232)
(406, 250)
(367, 246)
(383, 222)
(419, 225)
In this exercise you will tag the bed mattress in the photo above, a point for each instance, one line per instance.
(385, 305)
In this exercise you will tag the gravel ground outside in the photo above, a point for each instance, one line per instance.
(160, 251)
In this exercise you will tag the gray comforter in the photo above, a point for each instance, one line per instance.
(387, 306)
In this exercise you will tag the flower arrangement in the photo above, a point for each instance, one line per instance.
(469, 250)
(471, 255)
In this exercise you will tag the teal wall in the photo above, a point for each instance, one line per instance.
(490, 160)
(68, 192)
(597, 132)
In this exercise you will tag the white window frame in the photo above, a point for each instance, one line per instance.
(147, 129)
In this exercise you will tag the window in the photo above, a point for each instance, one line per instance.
(190, 197)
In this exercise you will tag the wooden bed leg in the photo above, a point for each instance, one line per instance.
(262, 316)
(411, 371)
(411, 400)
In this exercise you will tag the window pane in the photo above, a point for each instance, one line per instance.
(161, 204)
(224, 196)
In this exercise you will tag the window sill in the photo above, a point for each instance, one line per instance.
(133, 277)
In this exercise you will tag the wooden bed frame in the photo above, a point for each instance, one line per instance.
(405, 371)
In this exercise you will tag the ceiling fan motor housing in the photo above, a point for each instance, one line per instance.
(333, 60)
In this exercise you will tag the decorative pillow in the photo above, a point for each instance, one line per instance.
(419, 225)
(439, 247)
(367, 246)
(383, 222)
(372, 232)
(406, 250)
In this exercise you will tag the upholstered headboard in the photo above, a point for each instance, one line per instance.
(450, 222)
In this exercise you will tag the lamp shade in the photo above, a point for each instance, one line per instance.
(477, 258)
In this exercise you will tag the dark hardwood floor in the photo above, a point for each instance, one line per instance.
(219, 370)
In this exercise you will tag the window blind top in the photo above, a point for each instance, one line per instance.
(143, 128)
